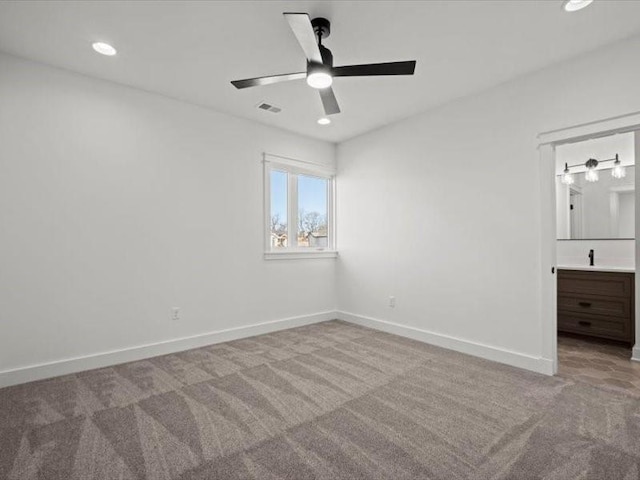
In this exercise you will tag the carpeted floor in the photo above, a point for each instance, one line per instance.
(326, 401)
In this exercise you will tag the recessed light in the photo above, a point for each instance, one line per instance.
(324, 121)
(104, 49)
(575, 5)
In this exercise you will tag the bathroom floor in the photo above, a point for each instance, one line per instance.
(601, 364)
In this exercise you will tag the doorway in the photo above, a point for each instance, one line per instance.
(548, 144)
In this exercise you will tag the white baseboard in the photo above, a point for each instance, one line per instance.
(106, 359)
(536, 364)
(635, 353)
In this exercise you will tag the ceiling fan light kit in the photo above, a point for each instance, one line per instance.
(320, 70)
(319, 75)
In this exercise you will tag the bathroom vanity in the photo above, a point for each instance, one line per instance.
(597, 302)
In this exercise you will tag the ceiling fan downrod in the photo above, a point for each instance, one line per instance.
(322, 29)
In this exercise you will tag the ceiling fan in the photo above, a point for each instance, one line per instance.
(320, 70)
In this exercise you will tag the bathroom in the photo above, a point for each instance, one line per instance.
(595, 225)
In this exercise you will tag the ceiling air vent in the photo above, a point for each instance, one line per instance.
(268, 108)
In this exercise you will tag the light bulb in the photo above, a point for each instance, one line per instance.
(618, 170)
(567, 177)
(319, 80)
(591, 175)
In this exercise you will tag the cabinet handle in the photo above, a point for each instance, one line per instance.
(584, 304)
(584, 323)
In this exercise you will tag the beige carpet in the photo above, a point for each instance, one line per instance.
(327, 401)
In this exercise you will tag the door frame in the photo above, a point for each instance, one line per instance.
(547, 143)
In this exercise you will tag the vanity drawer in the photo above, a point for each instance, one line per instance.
(605, 306)
(595, 283)
(593, 325)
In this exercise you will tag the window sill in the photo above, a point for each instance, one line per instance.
(300, 255)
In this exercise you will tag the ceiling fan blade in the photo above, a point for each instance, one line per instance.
(389, 68)
(329, 101)
(255, 82)
(300, 23)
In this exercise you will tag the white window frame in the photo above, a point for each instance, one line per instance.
(294, 168)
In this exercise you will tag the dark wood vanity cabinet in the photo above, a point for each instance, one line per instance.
(597, 304)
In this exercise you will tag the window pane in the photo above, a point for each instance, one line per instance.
(278, 209)
(312, 211)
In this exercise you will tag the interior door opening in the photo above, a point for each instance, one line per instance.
(591, 212)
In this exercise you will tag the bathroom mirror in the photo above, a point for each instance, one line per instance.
(595, 188)
(602, 209)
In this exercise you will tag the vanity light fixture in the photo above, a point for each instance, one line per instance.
(567, 177)
(575, 5)
(592, 174)
(618, 171)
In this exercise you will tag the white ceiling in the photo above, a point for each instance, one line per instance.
(191, 50)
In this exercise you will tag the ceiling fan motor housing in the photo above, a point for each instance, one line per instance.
(313, 67)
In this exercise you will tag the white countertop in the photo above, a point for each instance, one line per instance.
(598, 268)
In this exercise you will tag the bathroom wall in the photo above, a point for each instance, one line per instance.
(614, 253)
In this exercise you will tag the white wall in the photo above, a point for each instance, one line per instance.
(443, 212)
(116, 205)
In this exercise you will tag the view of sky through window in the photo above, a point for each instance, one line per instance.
(312, 210)
(279, 195)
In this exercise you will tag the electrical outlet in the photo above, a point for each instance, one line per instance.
(392, 302)
(175, 314)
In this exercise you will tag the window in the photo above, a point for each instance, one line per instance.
(299, 199)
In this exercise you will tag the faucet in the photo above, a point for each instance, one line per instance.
(591, 257)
